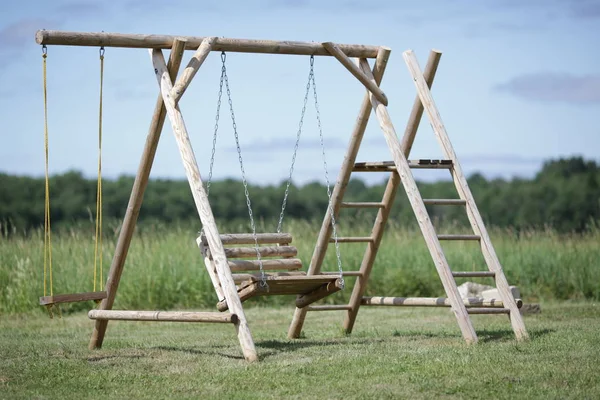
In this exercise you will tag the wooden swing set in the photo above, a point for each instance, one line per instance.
(265, 263)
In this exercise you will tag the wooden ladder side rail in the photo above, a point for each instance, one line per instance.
(465, 193)
(340, 187)
(135, 200)
(416, 201)
(389, 195)
(203, 206)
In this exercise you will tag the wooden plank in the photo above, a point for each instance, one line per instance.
(72, 297)
(473, 274)
(444, 202)
(458, 237)
(271, 251)
(239, 278)
(327, 307)
(414, 197)
(344, 273)
(268, 265)
(193, 66)
(388, 166)
(430, 302)
(462, 187)
(371, 86)
(163, 316)
(135, 200)
(141, 41)
(488, 311)
(340, 186)
(355, 239)
(389, 196)
(320, 293)
(360, 204)
(203, 206)
(248, 238)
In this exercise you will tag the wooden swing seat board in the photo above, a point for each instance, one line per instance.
(72, 298)
(308, 288)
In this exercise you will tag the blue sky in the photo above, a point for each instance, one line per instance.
(518, 83)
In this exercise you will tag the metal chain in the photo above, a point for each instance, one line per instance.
(216, 130)
(330, 203)
(298, 134)
(263, 279)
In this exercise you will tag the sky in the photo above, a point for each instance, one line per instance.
(518, 84)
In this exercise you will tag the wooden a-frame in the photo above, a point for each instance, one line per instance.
(171, 91)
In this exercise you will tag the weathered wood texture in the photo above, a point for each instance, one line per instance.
(202, 205)
(389, 166)
(248, 238)
(267, 264)
(193, 66)
(432, 302)
(72, 298)
(335, 51)
(320, 293)
(389, 196)
(340, 186)
(465, 193)
(164, 316)
(135, 200)
(106, 39)
(427, 229)
(268, 251)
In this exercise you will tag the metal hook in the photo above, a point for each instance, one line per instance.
(102, 51)
(44, 50)
(223, 56)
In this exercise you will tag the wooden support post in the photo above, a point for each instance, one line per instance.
(193, 66)
(354, 70)
(135, 200)
(340, 187)
(322, 292)
(465, 193)
(389, 195)
(203, 206)
(418, 206)
(210, 268)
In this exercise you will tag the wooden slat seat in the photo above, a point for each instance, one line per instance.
(72, 298)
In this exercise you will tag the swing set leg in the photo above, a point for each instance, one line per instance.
(135, 200)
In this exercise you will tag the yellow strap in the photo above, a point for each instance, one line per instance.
(98, 239)
(47, 236)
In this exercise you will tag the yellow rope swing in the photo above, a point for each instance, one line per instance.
(49, 299)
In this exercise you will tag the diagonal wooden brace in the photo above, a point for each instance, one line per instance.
(193, 66)
(354, 70)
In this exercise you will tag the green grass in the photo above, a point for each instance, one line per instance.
(393, 353)
(164, 269)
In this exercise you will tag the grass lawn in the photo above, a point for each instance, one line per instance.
(393, 353)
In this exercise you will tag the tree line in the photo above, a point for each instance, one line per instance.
(564, 195)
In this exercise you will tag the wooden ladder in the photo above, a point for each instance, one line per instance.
(400, 169)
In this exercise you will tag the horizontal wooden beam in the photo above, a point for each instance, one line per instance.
(165, 316)
(342, 57)
(248, 238)
(272, 251)
(106, 39)
(432, 302)
(327, 307)
(267, 265)
(72, 298)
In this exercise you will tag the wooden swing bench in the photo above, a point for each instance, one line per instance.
(72, 298)
(280, 267)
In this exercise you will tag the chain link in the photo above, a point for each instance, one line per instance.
(263, 278)
(311, 75)
(330, 203)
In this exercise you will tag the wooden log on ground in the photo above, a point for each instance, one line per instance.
(321, 292)
(72, 298)
(135, 199)
(164, 316)
(107, 39)
(431, 302)
(248, 238)
(371, 86)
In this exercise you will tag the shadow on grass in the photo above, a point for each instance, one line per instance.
(189, 350)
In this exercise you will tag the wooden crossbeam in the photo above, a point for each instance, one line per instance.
(248, 238)
(371, 86)
(128, 40)
(432, 302)
(193, 66)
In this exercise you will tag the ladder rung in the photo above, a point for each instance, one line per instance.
(387, 166)
(329, 308)
(474, 310)
(473, 274)
(358, 204)
(458, 237)
(344, 273)
(356, 239)
(445, 202)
